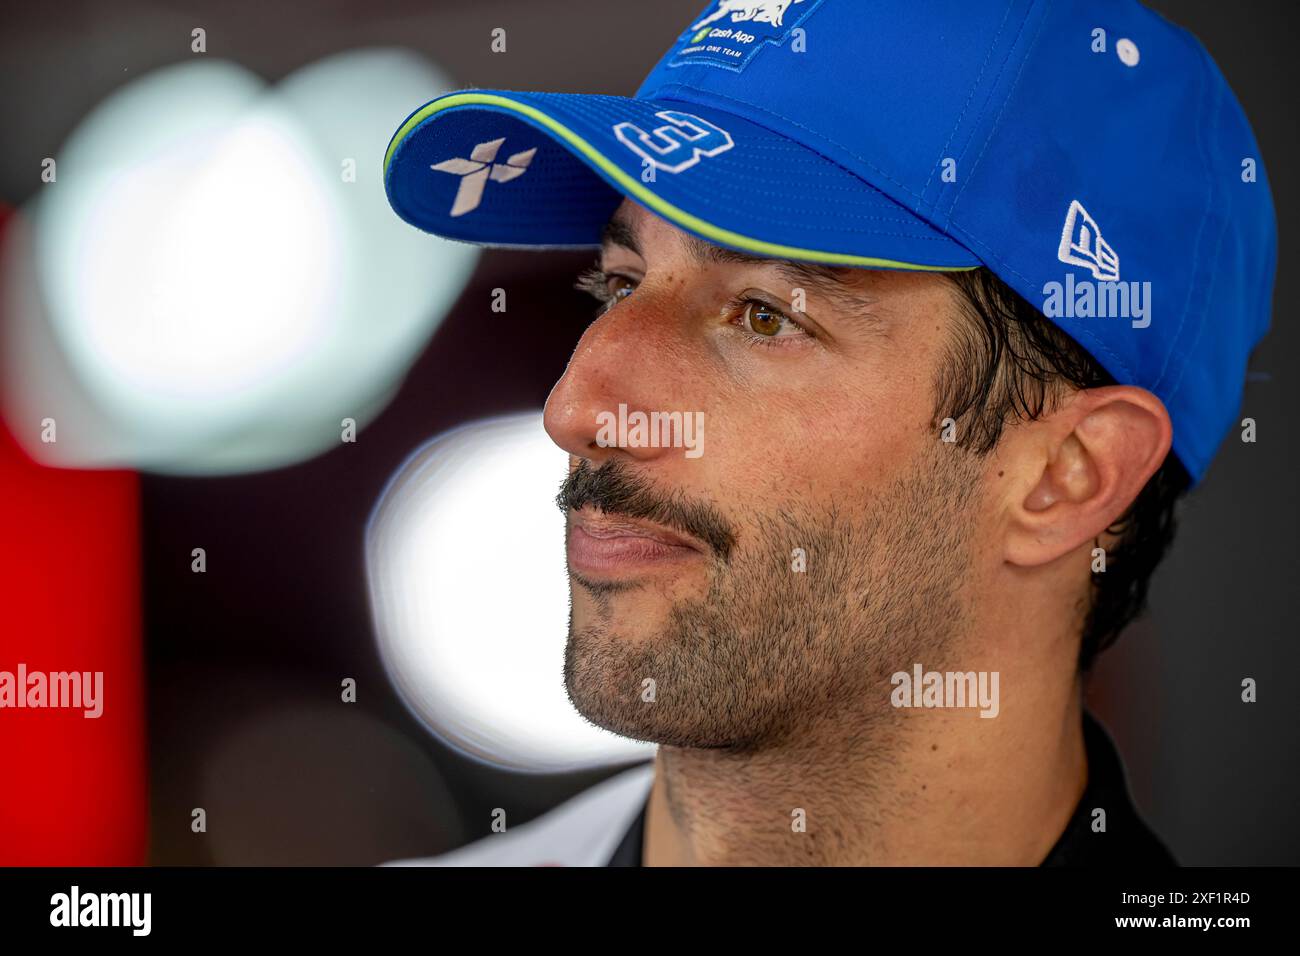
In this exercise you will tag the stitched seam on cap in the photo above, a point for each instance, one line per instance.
(970, 96)
(996, 122)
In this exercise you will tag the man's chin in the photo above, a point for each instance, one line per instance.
(631, 684)
(608, 677)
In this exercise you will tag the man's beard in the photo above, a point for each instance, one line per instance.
(771, 653)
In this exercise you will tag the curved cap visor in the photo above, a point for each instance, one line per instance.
(548, 169)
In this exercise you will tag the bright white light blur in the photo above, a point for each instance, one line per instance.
(214, 283)
(154, 318)
(465, 558)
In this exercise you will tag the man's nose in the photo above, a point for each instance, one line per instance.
(624, 358)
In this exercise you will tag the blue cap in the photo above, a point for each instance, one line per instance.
(1088, 152)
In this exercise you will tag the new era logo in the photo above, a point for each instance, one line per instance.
(1082, 245)
(478, 169)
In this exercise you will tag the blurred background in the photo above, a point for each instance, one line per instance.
(276, 409)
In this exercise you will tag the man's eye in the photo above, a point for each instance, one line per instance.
(618, 287)
(762, 319)
(606, 288)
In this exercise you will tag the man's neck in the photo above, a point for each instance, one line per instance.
(920, 787)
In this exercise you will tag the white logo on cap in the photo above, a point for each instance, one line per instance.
(476, 171)
(760, 11)
(1082, 245)
(678, 145)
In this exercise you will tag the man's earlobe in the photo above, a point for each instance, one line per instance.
(1102, 446)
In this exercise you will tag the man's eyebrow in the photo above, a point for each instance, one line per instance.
(832, 283)
(619, 232)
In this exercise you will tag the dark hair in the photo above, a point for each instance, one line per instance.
(1011, 363)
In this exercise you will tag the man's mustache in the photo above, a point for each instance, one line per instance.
(615, 489)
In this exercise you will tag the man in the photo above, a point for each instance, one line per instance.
(961, 295)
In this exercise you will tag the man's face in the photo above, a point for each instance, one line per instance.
(817, 540)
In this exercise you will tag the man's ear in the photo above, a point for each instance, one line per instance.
(1080, 468)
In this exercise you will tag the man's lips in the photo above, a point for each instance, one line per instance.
(610, 546)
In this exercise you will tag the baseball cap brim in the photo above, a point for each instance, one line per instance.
(561, 169)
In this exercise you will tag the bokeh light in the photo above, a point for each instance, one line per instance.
(465, 556)
(217, 281)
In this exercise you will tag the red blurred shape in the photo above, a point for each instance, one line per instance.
(73, 789)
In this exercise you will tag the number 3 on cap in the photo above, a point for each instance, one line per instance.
(678, 145)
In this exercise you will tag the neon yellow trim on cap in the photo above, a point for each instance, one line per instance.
(638, 190)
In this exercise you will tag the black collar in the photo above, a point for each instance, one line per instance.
(1126, 840)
